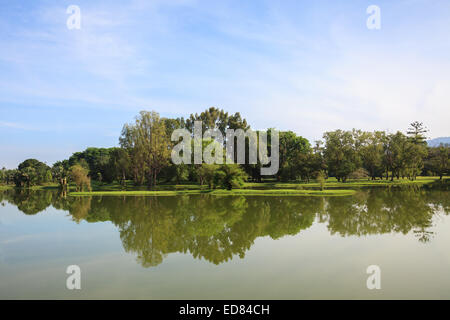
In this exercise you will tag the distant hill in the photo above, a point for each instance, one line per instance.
(437, 141)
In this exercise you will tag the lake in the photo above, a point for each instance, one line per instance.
(226, 247)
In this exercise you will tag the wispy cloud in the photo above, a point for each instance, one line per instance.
(14, 125)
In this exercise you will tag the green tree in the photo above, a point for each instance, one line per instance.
(372, 152)
(79, 176)
(97, 160)
(206, 174)
(416, 133)
(341, 154)
(394, 154)
(416, 150)
(438, 161)
(214, 118)
(320, 177)
(3, 175)
(32, 172)
(148, 145)
(119, 164)
(293, 151)
(60, 171)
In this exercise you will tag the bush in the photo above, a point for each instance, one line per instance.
(230, 176)
(359, 173)
(320, 177)
(79, 175)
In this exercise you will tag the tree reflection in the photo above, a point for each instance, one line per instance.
(379, 211)
(219, 228)
(28, 201)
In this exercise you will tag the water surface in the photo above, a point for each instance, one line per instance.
(230, 247)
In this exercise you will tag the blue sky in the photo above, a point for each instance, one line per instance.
(307, 66)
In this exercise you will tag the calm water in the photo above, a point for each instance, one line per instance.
(209, 247)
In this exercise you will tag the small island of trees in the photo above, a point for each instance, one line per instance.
(143, 157)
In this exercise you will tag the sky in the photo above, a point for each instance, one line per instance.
(305, 66)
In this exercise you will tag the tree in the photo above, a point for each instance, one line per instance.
(7, 176)
(79, 176)
(32, 172)
(414, 155)
(438, 161)
(206, 174)
(172, 124)
(372, 152)
(359, 173)
(416, 149)
(293, 150)
(416, 133)
(148, 146)
(214, 118)
(320, 177)
(341, 154)
(3, 175)
(394, 154)
(128, 141)
(119, 164)
(97, 160)
(60, 171)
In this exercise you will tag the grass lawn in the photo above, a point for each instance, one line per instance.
(253, 188)
(333, 183)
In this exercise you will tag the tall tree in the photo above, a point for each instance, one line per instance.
(372, 152)
(416, 150)
(31, 172)
(148, 146)
(293, 153)
(79, 176)
(438, 161)
(341, 154)
(416, 132)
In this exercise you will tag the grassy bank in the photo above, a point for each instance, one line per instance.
(247, 192)
(267, 186)
(333, 183)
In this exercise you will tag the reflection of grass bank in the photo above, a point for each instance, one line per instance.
(3, 187)
(247, 192)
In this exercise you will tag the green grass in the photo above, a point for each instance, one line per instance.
(129, 186)
(247, 192)
(268, 186)
(333, 183)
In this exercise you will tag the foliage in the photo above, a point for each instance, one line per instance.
(148, 145)
(206, 174)
(32, 172)
(230, 176)
(145, 148)
(79, 176)
(341, 153)
(321, 180)
(294, 151)
(359, 173)
(438, 161)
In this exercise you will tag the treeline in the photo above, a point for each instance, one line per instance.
(145, 145)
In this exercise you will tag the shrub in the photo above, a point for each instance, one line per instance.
(79, 175)
(359, 173)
